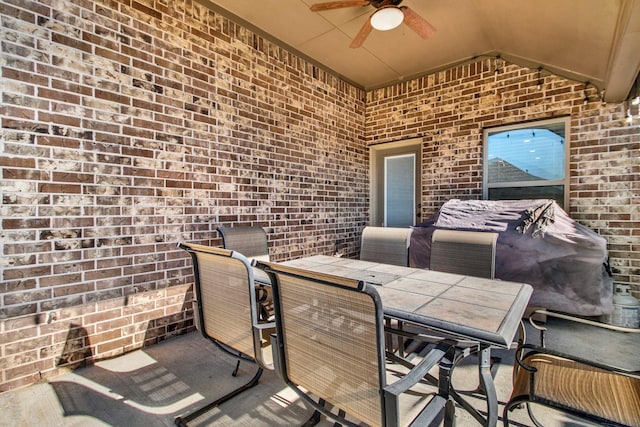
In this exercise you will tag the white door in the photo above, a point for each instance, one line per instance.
(395, 181)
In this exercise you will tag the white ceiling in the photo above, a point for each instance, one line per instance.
(586, 40)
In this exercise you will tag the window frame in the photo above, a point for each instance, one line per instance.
(564, 182)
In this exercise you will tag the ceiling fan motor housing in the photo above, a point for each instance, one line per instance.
(379, 3)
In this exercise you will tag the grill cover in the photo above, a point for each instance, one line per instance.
(565, 262)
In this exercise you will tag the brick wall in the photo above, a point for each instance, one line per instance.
(128, 126)
(450, 109)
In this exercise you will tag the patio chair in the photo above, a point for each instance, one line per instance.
(225, 312)
(329, 349)
(389, 245)
(471, 253)
(595, 391)
(251, 241)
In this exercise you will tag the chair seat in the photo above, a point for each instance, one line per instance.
(579, 387)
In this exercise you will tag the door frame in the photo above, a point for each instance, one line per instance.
(376, 216)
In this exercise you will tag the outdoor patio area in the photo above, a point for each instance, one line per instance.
(493, 149)
(150, 387)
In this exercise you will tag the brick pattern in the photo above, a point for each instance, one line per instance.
(129, 126)
(449, 110)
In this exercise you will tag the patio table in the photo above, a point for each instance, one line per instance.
(485, 311)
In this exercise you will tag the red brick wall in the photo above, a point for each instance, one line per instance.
(127, 127)
(450, 109)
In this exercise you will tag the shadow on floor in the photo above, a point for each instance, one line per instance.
(150, 387)
(154, 385)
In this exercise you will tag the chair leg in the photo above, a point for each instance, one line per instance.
(531, 416)
(449, 413)
(509, 407)
(315, 417)
(518, 403)
(487, 385)
(183, 420)
(493, 367)
(505, 415)
(313, 420)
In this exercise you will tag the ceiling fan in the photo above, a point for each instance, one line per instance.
(388, 15)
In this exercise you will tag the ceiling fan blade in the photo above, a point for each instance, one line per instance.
(362, 34)
(338, 4)
(417, 23)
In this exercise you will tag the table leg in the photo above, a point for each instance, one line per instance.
(444, 388)
(488, 386)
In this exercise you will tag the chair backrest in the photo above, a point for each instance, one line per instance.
(330, 339)
(225, 309)
(251, 241)
(389, 245)
(471, 253)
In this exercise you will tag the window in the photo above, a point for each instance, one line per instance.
(527, 161)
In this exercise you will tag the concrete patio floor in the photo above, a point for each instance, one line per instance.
(150, 387)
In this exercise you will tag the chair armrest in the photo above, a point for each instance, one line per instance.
(392, 392)
(417, 373)
(263, 326)
(275, 350)
(258, 335)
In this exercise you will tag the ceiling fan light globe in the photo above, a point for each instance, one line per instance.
(387, 18)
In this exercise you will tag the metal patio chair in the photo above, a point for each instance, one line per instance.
(330, 349)
(595, 391)
(471, 253)
(251, 241)
(388, 245)
(226, 313)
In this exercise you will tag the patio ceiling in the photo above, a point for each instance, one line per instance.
(595, 41)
